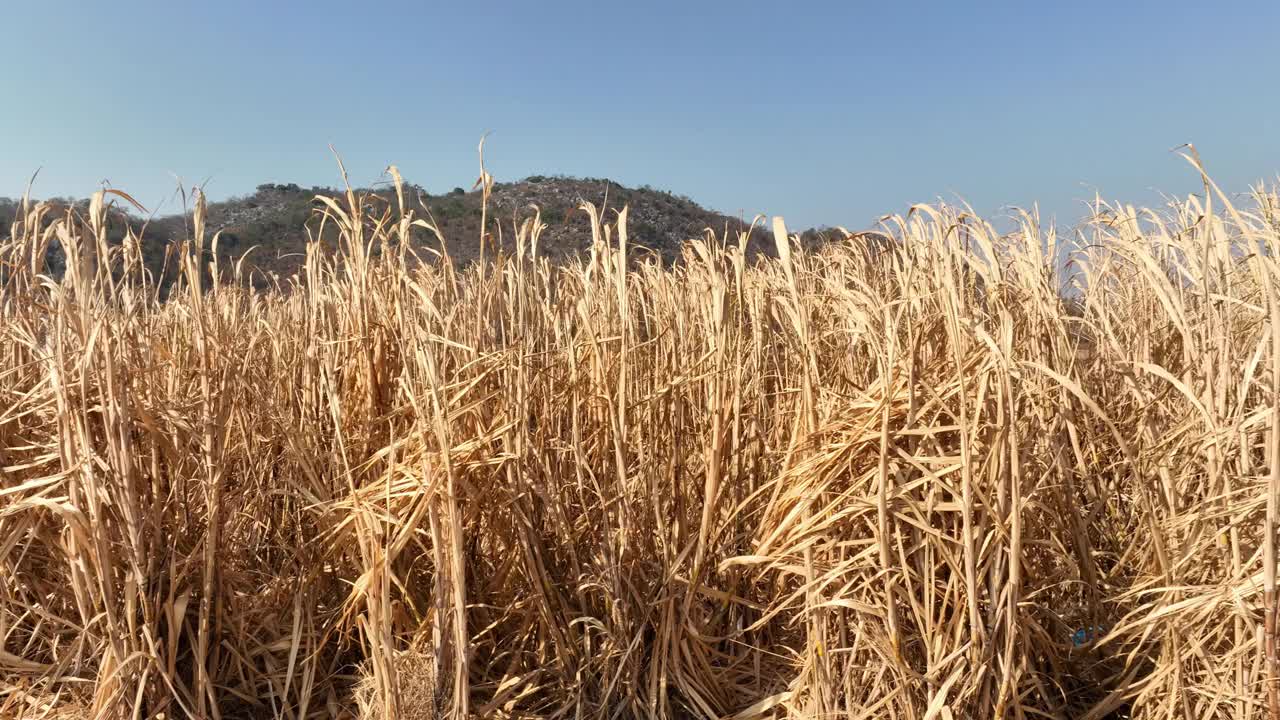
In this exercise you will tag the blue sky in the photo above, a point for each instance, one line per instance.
(826, 112)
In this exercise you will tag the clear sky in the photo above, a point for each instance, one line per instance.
(826, 112)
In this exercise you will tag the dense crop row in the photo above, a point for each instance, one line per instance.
(942, 472)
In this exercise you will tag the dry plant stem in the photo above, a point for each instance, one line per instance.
(936, 471)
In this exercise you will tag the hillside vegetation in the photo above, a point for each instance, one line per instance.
(931, 474)
(274, 223)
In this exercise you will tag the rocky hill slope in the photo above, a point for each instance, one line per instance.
(276, 221)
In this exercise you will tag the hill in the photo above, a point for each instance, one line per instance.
(276, 220)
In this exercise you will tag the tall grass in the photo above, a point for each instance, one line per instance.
(940, 475)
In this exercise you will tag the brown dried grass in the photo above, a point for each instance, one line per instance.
(846, 483)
